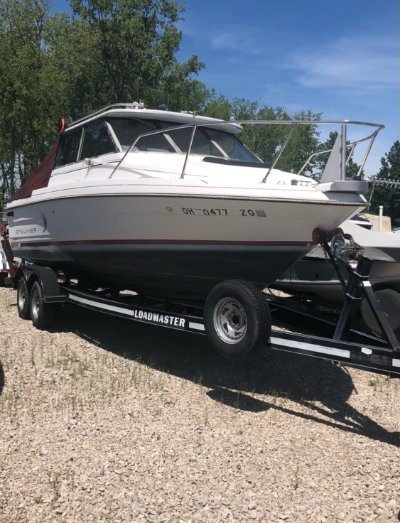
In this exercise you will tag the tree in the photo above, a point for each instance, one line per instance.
(26, 117)
(135, 46)
(107, 51)
(387, 196)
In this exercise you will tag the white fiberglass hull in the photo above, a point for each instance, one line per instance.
(169, 244)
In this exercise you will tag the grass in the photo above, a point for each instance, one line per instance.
(71, 377)
(380, 383)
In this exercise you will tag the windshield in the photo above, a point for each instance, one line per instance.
(206, 141)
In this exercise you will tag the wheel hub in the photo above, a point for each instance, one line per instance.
(230, 320)
(35, 304)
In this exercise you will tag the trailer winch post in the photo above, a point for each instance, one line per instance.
(325, 245)
(359, 288)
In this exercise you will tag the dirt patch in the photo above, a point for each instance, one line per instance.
(106, 420)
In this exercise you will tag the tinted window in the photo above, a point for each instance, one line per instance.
(231, 145)
(212, 142)
(201, 143)
(128, 130)
(156, 143)
(68, 148)
(206, 142)
(97, 140)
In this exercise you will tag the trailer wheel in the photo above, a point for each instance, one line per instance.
(237, 319)
(42, 314)
(23, 304)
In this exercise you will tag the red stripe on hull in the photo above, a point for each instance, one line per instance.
(164, 242)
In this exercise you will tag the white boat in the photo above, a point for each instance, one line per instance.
(171, 204)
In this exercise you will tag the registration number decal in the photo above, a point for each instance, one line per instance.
(191, 211)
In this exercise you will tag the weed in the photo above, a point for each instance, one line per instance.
(296, 477)
(33, 362)
(55, 484)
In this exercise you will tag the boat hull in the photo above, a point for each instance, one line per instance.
(172, 270)
(175, 246)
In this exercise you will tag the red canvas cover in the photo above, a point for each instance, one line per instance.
(40, 176)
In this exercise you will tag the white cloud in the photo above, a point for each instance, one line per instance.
(228, 40)
(354, 65)
(243, 40)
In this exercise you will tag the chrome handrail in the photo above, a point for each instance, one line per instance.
(351, 145)
(294, 123)
(189, 149)
(279, 154)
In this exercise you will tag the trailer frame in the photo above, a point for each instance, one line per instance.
(378, 355)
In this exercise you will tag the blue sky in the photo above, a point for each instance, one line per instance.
(341, 57)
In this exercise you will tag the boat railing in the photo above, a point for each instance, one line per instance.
(293, 124)
(351, 145)
(389, 184)
(129, 105)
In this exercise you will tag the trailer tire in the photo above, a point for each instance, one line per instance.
(42, 314)
(237, 319)
(23, 303)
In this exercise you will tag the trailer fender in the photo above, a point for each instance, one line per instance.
(46, 278)
(18, 275)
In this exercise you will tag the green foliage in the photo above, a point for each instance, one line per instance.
(108, 51)
(218, 107)
(389, 197)
(26, 117)
(135, 44)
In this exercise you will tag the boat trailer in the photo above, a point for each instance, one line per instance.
(237, 317)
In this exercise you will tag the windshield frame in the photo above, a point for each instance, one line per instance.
(209, 135)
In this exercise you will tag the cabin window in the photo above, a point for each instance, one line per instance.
(201, 143)
(207, 141)
(128, 130)
(97, 140)
(212, 142)
(68, 149)
(231, 145)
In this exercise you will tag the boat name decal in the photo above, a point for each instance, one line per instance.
(25, 231)
(158, 318)
(258, 213)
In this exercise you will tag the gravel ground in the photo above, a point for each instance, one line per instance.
(106, 420)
